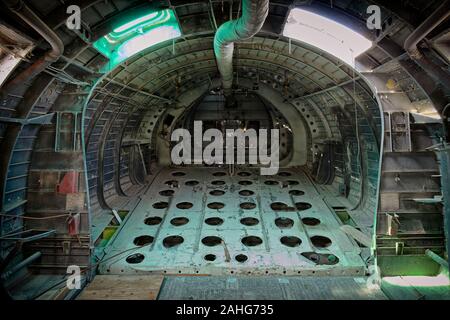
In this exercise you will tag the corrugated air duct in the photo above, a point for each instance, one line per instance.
(254, 13)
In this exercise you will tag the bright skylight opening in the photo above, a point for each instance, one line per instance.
(326, 35)
(136, 35)
(136, 22)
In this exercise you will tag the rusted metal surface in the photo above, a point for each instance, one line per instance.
(30, 17)
(69, 183)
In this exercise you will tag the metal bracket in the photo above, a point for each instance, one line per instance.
(66, 247)
(74, 130)
(21, 236)
(116, 215)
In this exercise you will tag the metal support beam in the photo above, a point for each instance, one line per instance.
(44, 119)
(438, 259)
(13, 130)
(56, 44)
(344, 83)
(21, 265)
(423, 80)
(100, 160)
(139, 91)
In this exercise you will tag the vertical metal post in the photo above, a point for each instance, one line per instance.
(57, 131)
(142, 158)
(75, 127)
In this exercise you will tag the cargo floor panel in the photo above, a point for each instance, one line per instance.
(204, 221)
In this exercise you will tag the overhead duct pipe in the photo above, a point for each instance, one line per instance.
(27, 15)
(411, 44)
(254, 13)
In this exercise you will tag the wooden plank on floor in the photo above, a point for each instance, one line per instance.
(122, 287)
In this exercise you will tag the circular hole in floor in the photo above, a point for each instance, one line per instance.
(244, 174)
(192, 183)
(241, 258)
(246, 193)
(217, 193)
(152, 221)
(179, 221)
(184, 205)
(284, 174)
(135, 258)
(218, 183)
(247, 205)
(167, 193)
(279, 206)
(214, 221)
(160, 205)
(314, 257)
(172, 241)
(178, 174)
(143, 240)
(216, 205)
(249, 221)
(211, 241)
(291, 241)
(245, 182)
(172, 183)
(251, 241)
(311, 221)
(284, 223)
(292, 182)
(321, 241)
(219, 174)
(321, 258)
(210, 257)
(270, 182)
(296, 193)
(332, 259)
(301, 206)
